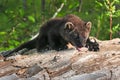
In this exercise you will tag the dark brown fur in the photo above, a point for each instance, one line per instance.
(57, 33)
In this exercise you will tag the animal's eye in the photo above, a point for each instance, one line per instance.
(75, 34)
(68, 31)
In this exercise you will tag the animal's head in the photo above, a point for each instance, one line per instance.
(77, 32)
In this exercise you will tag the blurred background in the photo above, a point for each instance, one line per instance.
(21, 19)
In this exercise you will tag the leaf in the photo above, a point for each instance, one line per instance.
(21, 11)
(31, 18)
(2, 33)
(116, 28)
(99, 3)
(117, 13)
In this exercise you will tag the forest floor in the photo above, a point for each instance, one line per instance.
(65, 65)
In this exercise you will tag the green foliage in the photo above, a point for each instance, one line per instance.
(21, 19)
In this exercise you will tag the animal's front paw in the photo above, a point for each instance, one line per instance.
(92, 45)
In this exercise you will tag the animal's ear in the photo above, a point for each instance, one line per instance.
(88, 25)
(69, 25)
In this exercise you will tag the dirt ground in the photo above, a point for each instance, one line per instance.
(65, 65)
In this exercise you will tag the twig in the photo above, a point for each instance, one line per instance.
(111, 26)
(34, 36)
(80, 6)
(62, 5)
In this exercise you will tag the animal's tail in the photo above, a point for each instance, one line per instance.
(27, 45)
